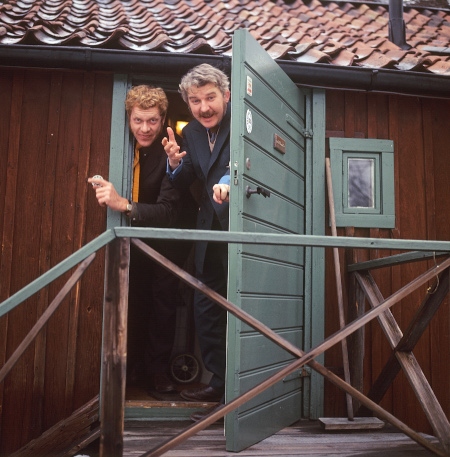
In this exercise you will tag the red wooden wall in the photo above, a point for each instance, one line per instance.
(420, 129)
(54, 133)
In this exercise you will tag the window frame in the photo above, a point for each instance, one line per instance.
(382, 215)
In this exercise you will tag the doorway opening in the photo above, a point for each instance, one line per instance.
(186, 369)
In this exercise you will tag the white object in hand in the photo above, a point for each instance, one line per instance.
(96, 177)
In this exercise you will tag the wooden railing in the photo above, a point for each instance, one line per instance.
(112, 394)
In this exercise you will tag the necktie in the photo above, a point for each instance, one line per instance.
(136, 172)
(212, 136)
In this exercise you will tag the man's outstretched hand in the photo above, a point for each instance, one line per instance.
(107, 195)
(172, 149)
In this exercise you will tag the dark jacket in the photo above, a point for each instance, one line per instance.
(208, 167)
(160, 204)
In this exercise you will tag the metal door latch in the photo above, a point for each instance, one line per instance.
(259, 190)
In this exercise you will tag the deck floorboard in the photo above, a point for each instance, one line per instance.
(305, 438)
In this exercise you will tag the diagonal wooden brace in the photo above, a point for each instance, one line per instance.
(304, 358)
(405, 358)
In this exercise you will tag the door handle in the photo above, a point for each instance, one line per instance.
(259, 190)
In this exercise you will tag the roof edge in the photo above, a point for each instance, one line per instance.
(306, 74)
(368, 80)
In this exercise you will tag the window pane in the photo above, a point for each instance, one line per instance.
(360, 183)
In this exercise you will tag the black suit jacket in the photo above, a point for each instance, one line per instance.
(160, 204)
(208, 167)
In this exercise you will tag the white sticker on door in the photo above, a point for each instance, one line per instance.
(249, 86)
(249, 121)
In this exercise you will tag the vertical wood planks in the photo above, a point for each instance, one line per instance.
(112, 397)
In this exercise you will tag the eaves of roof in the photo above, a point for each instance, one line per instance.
(176, 65)
(318, 43)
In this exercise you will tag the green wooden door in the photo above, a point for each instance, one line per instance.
(271, 146)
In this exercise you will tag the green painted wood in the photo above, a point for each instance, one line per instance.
(55, 272)
(274, 310)
(314, 295)
(397, 259)
(383, 214)
(287, 387)
(257, 352)
(268, 149)
(266, 277)
(275, 208)
(282, 239)
(283, 409)
(121, 153)
(264, 128)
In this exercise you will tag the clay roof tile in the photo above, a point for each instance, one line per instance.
(336, 33)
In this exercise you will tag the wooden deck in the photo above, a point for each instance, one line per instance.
(305, 438)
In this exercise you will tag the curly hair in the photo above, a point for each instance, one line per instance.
(200, 76)
(146, 97)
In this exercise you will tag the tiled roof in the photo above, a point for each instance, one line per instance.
(335, 33)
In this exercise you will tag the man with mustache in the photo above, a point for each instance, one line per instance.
(205, 155)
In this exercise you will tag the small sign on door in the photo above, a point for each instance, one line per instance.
(249, 86)
(279, 143)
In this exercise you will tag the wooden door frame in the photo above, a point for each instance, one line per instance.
(315, 202)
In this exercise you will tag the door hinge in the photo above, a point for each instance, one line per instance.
(303, 372)
(307, 133)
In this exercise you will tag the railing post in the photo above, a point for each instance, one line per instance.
(112, 395)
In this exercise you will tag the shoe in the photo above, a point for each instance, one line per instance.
(202, 394)
(199, 415)
(161, 383)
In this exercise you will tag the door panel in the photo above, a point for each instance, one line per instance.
(270, 126)
(263, 130)
(273, 313)
(258, 352)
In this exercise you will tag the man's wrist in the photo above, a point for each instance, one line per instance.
(128, 207)
(173, 165)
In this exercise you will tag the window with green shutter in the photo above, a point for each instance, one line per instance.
(362, 171)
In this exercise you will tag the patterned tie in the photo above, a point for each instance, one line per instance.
(212, 136)
(136, 172)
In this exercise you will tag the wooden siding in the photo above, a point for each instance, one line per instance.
(420, 130)
(54, 133)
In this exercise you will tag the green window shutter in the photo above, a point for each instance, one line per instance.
(362, 171)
